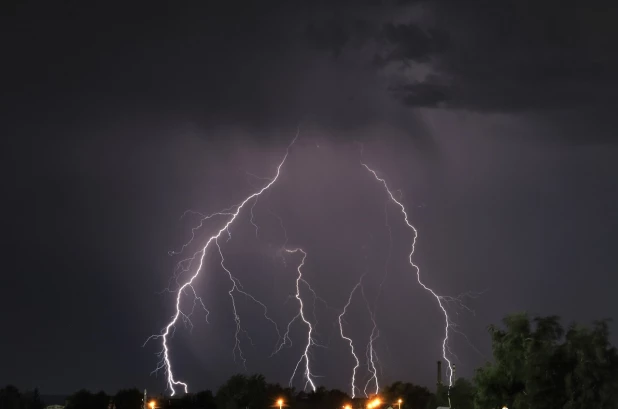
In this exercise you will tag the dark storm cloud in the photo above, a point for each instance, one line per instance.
(516, 57)
(410, 42)
(423, 94)
(257, 65)
(274, 64)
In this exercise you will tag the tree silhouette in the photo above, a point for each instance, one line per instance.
(205, 400)
(537, 365)
(592, 380)
(327, 399)
(461, 394)
(10, 398)
(241, 391)
(128, 399)
(84, 399)
(36, 402)
(412, 396)
(31, 400)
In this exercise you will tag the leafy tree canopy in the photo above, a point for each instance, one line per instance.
(540, 365)
(412, 396)
(85, 399)
(128, 399)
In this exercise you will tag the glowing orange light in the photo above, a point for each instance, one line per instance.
(374, 403)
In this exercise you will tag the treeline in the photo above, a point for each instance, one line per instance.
(537, 364)
(12, 398)
(240, 392)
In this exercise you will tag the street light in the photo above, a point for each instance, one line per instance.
(280, 403)
(347, 407)
(374, 403)
(152, 404)
(399, 401)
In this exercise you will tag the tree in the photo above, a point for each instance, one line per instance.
(412, 396)
(188, 401)
(230, 394)
(36, 402)
(459, 396)
(274, 391)
(100, 400)
(317, 396)
(335, 399)
(205, 400)
(536, 365)
(10, 398)
(128, 399)
(327, 399)
(84, 399)
(462, 394)
(592, 380)
(243, 392)
(31, 400)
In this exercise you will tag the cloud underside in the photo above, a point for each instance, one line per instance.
(510, 56)
(340, 62)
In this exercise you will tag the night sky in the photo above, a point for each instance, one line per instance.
(495, 119)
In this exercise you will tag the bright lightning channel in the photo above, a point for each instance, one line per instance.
(301, 314)
(353, 383)
(441, 300)
(286, 341)
(371, 354)
(232, 213)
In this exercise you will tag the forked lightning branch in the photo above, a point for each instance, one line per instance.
(194, 266)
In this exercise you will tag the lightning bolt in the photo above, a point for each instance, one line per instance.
(237, 287)
(286, 340)
(301, 314)
(440, 299)
(371, 355)
(348, 338)
(232, 213)
(375, 333)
